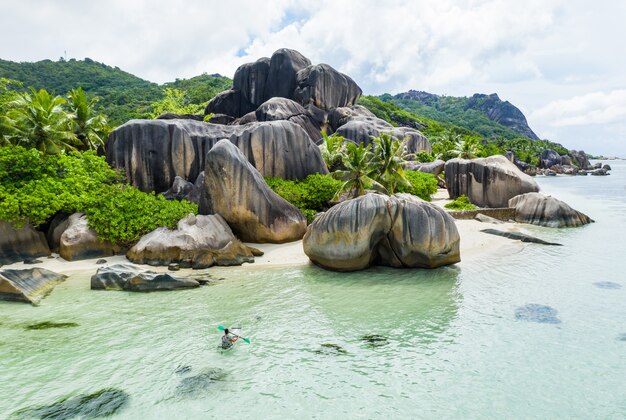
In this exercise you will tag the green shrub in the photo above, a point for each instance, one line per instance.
(424, 157)
(311, 195)
(460, 203)
(422, 184)
(34, 187)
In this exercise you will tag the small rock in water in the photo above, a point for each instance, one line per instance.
(101, 261)
(49, 324)
(518, 237)
(375, 340)
(537, 313)
(103, 403)
(607, 285)
(32, 261)
(173, 267)
(197, 385)
(329, 348)
(621, 337)
(181, 370)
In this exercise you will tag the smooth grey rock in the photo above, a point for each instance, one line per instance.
(326, 88)
(362, 129)
(130, 278)
(488, 219)
(220, 119)
(250, 79)
(284, 67)
(101, 261)
(599, 172)
(153, 152)
(435, 167)
(237, 191)
(172, 116)
(198, 241)
(196, 191)
(549, 158)
(543, 210)
(597, 165)
(29, 285)
(56, 227)
(277, 109)
(179, 189)
(487, 182)
(606, 167)
(228, 102)
(580, 158)
(516, 236)
(341, 115)
(398, 231)
(80, 242)
(17, 244)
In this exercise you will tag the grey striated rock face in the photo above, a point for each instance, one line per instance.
(80, 242)
(398, 231)
(282, 77)
(326, 88)
(435, 167)
(197, 242)
(487, 182)
(543, 210)
(339, 116)
(29, 286)
(548, 159)
(580, 158)
(277, 109)
(20, 244)
(234, 189)
(179, 189)
(361, 130)
(153, 152)
(130, 278)
(172, 116)
(250, 79)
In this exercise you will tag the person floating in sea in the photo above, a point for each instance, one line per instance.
(228, 339)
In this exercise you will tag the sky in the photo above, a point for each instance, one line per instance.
(562, 62)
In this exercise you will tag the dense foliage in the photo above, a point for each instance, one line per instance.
(420, 184)
(311, 195)
(35, 186)
(462, 202)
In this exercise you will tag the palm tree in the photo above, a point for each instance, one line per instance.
(466, 148)
(389, 156)
(40, 121)
(357, 159)
(90, 128)
(332, 150)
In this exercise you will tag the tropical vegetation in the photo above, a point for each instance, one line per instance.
(462, 202)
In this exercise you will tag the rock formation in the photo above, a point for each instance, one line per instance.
(18, 244)
(548, 159)
(543, 210)
(398, 231)
(197, 242)
(487, 182)
(29, 286)
(234, 189)
(80, 242)
(580, 158)
(276, 109)
(130, 278)
(435, 167)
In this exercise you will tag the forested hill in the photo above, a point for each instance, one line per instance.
(123, 96)
(487, 115)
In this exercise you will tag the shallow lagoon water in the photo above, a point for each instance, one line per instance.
(448, 343)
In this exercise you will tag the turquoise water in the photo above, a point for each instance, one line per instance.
(452, 346)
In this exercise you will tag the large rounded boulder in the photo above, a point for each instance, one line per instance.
(398, 231)
(234, 189)
(326, 88)
(276, 109)
(487, 182)
(543, 210)
(80, 242)
(197, 242)
(17, 244)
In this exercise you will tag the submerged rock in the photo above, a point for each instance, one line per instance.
(375, 340)
(29, 286)
(197, 242)
(238, 192)
(398, 231)
(487, 182)
(607, 285)
(519, 237)
(130, 278)
(543, 210)
(103, 403)
(45, 325)
(537, 313)
(18, 244)
(197, 385)
(80, 242)
(331, 349)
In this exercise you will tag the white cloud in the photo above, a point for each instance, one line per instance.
(590, 109)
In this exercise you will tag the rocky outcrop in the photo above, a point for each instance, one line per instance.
(18, 244)
(523, 166)
(172, 116)
(130, 278)
(197, 242)
(234, 189)
(277, 109)
(487, 182)
(339, 116)
(435, 167)
(29, 286)
(152, 153)
(580, 159)
(543, 210)
(326, 88)
(80, 242)
(179, 189)
(397, 231)
(548, 159)
(517, 236)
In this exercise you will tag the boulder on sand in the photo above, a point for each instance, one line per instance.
(18, 244)
(80, 242)
(29, 286)
(130, 278)
(487, 182)
(397, 231)
(234, 189)
(197, 242)
(543, 210)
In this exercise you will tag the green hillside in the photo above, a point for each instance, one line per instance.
(122, 95)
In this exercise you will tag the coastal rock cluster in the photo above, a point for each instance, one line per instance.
(543, 210)
(29, 285)
(397, 231)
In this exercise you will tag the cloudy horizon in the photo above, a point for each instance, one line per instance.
(559, 61)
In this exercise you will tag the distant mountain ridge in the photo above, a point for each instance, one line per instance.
(485, 114)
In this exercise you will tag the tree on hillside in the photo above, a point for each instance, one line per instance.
(39, 121)
(388, 157)
(466, 148)
(176, 102)
(89, 128)
(332, 150)
(7, 95)
(359, 172)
